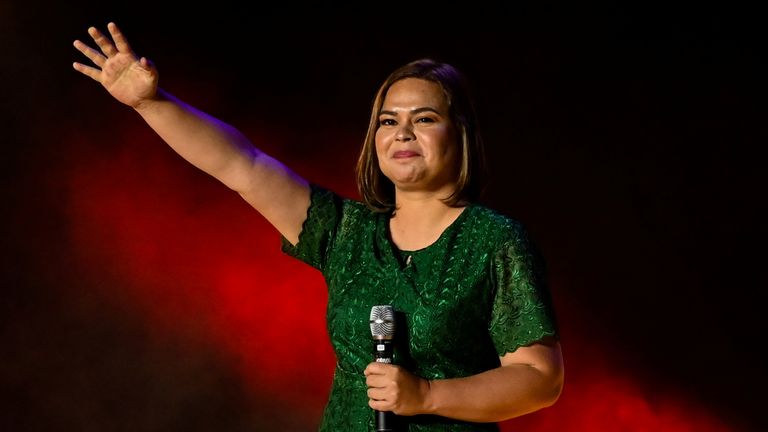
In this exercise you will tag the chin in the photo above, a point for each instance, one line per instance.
(404, 179)
(410, 186)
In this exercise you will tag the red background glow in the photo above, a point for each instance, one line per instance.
(140, 294)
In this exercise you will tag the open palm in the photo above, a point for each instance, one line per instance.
(126, 77)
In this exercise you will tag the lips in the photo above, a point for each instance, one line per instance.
(403, 154)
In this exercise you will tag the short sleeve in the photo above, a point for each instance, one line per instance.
(522, 308)
(318, 230)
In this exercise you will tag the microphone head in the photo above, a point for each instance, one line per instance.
(382, 322)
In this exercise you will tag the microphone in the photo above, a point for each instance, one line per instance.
(383, 331)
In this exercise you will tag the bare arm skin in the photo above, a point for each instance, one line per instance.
(211, 145)
(530, 378)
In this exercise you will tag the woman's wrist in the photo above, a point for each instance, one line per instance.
(429, 403)
(146, 105)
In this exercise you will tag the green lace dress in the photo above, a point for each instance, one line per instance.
(473, 295)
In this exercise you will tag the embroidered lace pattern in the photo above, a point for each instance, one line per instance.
(475, 294)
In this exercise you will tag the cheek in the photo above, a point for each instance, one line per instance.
(382, 141)
(382, 137)
(444, 142)
(453, 143)
(378, 145)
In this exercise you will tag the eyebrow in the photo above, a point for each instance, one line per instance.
(413, 111)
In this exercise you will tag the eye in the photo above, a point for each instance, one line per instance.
(387, 122)
(425, 120)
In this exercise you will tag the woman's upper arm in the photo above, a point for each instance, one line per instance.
(279, 194)
(545, 357)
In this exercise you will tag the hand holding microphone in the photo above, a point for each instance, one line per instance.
(383, 332)
(391, 388)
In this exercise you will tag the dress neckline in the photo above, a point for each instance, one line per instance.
(446, 233)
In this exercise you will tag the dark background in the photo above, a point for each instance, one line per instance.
(629, 140)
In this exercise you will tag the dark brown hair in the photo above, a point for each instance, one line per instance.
(376, 190)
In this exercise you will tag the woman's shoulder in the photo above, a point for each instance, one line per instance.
(348, 208)
(503, 236)
(501, 222)
(496, 227)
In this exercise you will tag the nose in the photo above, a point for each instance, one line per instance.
(404, 133)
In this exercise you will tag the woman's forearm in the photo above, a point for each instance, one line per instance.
(494, 395)
(220, 150)
(206, 142)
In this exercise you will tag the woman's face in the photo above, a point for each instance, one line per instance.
(416, 140)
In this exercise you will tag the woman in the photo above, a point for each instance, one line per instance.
(478, 340)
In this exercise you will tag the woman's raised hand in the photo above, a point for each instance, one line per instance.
(129, 79)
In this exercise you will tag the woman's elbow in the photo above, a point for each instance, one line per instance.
(551, 386)
(552, 391)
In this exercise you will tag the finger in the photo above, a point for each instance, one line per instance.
(120, 41)
(377, 381)
(377, 395)
(379, 405)
(91, 53)
(104, 44)
(376, 368)
(87, 70)
(371, 381)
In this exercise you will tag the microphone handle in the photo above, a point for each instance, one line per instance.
(385, 421)
(383, 353)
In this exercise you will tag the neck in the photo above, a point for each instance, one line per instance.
(420, 218)
(420, 205)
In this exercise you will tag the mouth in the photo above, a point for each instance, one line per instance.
(405, 154)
